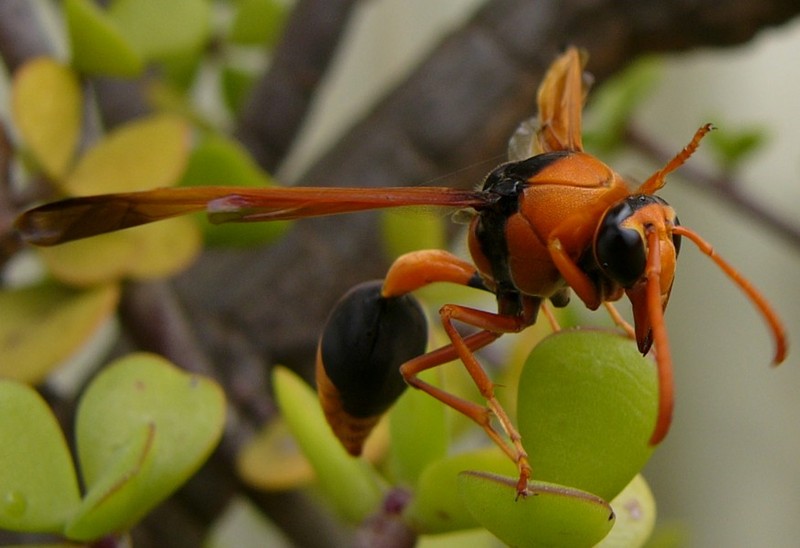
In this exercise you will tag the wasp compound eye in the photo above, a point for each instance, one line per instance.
(366, 340)
(620, 250)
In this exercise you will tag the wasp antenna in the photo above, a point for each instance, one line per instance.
(658, 179)
(767, 312)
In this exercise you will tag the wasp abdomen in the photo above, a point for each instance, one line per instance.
(366, 340)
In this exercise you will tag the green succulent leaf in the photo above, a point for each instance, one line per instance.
(65, 318)
(148, 153)
(38, 484)
(258, 22)
(587, 407)
(142, 428)
(349, 483)
(412, 448)
(438, 506)
(551, 515)
(732, 147)
(614, 103)
(635, 509)
(98, 46)
(46, 107)
(160, 29)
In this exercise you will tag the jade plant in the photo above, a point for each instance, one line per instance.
(142, 428)
(585, 399)
(586, 406)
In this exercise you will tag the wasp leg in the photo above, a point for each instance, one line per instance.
(492, 327)
(618, 320)
(572, 236)
(420, 268)
(374, 329)
(549, 314)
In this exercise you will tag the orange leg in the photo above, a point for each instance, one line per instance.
(619, 321)
(547, 310)
(420, 268)
(492, 327)
(417, 269)
(572, 236)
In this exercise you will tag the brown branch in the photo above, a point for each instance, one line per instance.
(279, 102)
(21, 35)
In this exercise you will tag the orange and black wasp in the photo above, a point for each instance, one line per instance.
(557, 222)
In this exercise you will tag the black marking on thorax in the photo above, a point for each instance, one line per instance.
(506, 183)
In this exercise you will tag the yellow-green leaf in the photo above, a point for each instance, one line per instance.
(273, 461)
(587, 406)
(143, 427)
(166, 248)
(158, 29)
(551, 515)
(148, 153)
(349, 483)
(46, 107)
(98, 46)
(150, 251)
(38, 484)
(258, 22)
(437, 506)
(42, 326)
(635, 509)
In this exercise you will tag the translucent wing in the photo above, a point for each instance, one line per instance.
(560, 100)
(82, 217)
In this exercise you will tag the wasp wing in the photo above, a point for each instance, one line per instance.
(83, 217)
(560, 100)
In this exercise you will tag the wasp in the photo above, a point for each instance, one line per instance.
(542, 227)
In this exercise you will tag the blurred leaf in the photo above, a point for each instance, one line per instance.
(437, 506)
(614, 103)
(158, 29)
(42, 326)
(258, 22)
(349, 483)
(403, 232)
(46, 106)
(552, 515)
(165, 248)
(38, 485)
(98, 47)
(587, 407)
(419, 432)
(635, 509)
(236, 86)
(148, 153)
(474, 538)
(273, 461)
(218, 160)
(157, 250)
(116, 494)
(143, 427)
(242, 525)
(732, 147)
(180, 69)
